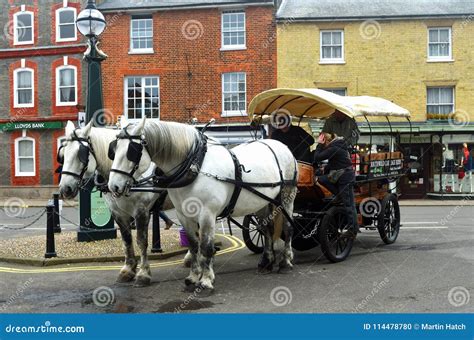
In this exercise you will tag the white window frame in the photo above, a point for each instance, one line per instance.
(331, 60)
(58, 24)
(125, 97)
(15, 87)
(332, 89)
(15, 28)
(233, 113)
(17, 159)
(58, 92)
(449, 57)
(453, 88)
(140, 50)
(238, 46)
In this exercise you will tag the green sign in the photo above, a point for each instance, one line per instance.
(10, 126)
(100, 213)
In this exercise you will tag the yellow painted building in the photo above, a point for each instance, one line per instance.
(418, 54)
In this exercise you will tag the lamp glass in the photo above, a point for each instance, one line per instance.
(90, 22)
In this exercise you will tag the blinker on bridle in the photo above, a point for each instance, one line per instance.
(83, 155)
(134, 151)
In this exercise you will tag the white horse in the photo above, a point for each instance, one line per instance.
(77, 168)
(167, 144)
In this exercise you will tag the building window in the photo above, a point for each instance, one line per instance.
(142, 97)
(23, 87)
(439, 44)
(233, 30)
(66, 86)
(340, 91)
(234, 94)
(440, 102)
(23, 28)
(66, 24)
(25, 156)
(141, 34)
(332, 46)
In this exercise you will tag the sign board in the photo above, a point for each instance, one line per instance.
(100, 213)
(10, 126)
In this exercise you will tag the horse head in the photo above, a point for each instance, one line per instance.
(130, 157)
(77, 159)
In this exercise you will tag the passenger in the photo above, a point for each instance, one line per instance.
(295, 138)
(339, 175)
(343, 126)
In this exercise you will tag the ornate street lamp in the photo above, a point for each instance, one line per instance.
(94, 216)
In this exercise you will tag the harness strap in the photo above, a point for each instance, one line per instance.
(229, 209)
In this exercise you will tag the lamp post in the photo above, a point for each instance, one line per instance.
(94, 216)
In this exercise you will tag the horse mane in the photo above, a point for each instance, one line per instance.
(169, 141)
(101, 139)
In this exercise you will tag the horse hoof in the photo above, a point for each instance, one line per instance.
(125, 277)
(285, 269)
(142, 281)
(264, 270)
(188, 282)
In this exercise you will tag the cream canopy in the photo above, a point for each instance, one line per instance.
(320, 104)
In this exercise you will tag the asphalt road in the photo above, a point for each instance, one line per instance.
(428, 269)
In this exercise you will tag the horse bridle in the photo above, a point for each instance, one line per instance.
(134, 152)
(84, 151)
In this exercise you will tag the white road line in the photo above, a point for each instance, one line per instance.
(422, 222)
(424, 227)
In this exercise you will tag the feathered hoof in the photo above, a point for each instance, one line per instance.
(142, 281)
(125, 277)
(285, 269)
(264, 270)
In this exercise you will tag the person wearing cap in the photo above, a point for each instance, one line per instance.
(294, 137)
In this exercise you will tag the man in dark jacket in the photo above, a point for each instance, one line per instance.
(296, 139)
(339, 175)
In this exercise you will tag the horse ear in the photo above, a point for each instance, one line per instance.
(141, 125)
(87, 129)
(69, 128)
(123, 122)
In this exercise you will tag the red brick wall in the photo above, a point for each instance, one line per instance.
(200, 95)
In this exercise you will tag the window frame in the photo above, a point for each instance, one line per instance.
(15, 28)
(58, 24)
(453, 89)
(15, 87)
(449, 57)
(17, 157)
(331, 60)
(233, 113)
(331, 89)
(125, 97)
(57, 85)
(132, 50)
(238, 46)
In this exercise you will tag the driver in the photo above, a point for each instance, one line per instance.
(295, 138)
(343, 126)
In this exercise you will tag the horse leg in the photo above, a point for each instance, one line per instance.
(192, 233)
(206, 250)
(265, 265)
(127, 273)
(188, 259)
(288, 195)
(143, 277)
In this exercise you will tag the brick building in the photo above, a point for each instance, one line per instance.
(42, 83)
(416, 53)
(179, 60)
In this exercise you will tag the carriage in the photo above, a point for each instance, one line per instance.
(318, 218)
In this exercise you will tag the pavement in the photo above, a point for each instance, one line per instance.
(428, 270)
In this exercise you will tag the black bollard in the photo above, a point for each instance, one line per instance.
(156, 236)
(57, 222)
(50, 249)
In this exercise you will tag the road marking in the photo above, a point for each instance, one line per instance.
(434, 227)
(419, 222)
(236, 244)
